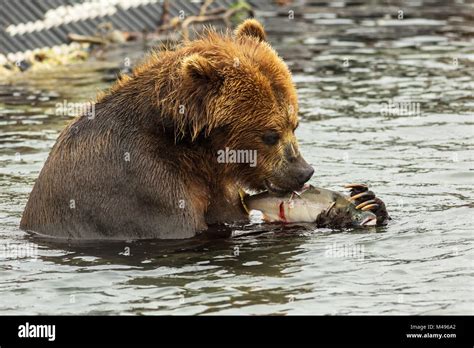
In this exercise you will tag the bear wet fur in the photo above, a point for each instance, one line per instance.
(145, 166)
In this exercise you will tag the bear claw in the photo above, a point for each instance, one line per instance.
(369, 207)
(359, 195)
(363, 204)
(355, 185)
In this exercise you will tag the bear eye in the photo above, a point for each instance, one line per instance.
(270, 137)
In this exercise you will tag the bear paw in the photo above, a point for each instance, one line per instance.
(365, 199)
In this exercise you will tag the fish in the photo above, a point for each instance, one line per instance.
(325, 208)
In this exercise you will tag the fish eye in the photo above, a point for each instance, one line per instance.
(271, 137)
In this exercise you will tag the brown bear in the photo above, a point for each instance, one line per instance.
(150, 163)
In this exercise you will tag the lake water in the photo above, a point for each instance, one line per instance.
(384, 102)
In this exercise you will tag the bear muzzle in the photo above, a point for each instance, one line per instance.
(291, 178)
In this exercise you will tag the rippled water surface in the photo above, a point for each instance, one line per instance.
(348, 71)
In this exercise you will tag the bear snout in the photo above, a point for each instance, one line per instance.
(291, 178)
(300, 171)
(304, 173)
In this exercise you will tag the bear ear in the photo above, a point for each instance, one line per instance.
(198, 67)
(253, 28)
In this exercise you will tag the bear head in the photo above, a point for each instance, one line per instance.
(236, 92)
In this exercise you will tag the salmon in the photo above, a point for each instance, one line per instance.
(312, 204)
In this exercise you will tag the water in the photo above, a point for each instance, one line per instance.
(420, 164)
